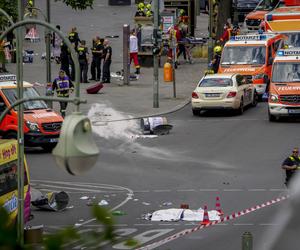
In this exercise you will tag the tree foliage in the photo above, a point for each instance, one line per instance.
(9, 6)
(78, 4)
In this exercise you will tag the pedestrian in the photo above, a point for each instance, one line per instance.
(63, 86)
(107, 52)
(2, 57)
(134, 51)
(65, 59)
(226, 33)
(291, 164)
(56, 45)
(83, 61)
(217, 58)
(97, 52)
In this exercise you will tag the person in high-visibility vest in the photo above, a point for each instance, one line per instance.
(291, 164)
(226, 34)
(63, 86)
(82, 51)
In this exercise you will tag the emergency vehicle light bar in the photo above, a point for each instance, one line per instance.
(8, 78)
(248, 38)
(288, 53)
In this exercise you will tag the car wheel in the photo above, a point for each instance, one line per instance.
(196, 112)
(272, 118)
(255, 99)
(10, 135)
(48, 147)
(240, 110)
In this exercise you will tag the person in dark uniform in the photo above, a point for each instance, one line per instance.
(63, 86)
(97, 52)
(291, 164)
(107, 52)
(75, 40)
(82, 51)
(65, 59)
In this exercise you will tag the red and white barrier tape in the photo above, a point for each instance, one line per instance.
(224, 219)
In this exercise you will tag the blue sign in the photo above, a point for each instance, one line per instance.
(11, 205)
(288, 53)
(249, 38)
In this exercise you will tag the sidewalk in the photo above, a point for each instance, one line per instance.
(135, 99)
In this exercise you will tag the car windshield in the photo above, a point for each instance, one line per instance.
(254, 55)
(215, 82)
(11, 95)
(267, 5)
(293, 39)
(286, 72)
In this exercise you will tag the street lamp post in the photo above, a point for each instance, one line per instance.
(20, 139)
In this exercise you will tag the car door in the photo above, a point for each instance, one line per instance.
(242, 87)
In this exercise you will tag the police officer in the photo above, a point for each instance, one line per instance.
(107, 52)
(65, 58)
(63, 85)
(217, 58)
(291, 164)
(82, 51)
(97, 52)
(74, 39)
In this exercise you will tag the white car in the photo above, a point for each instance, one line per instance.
(223, 91)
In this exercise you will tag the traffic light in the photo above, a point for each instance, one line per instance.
(76, 151)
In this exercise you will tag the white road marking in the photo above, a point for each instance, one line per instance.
(162, 190)
(208, 190)
(186, 190)
(243, 224)
(257, 190)
(233, 190)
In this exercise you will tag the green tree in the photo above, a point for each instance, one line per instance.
(9, 6)
(78, 4)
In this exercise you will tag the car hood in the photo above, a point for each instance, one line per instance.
(286, 89)
(258, 14)
(42, 116)
(242, 69)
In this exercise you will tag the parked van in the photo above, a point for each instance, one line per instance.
(9, 180)
(251, 55)
(255, 17)
(41, 124)
(284, 94)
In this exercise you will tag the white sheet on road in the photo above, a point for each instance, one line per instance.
(176, 214)
(172, 214)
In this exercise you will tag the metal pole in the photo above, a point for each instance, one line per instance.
(235, 14)
(210, 26)
(20, 149)
(48, 49)
(126, 62)
(247, 241)
(174, 70)
(155, 57)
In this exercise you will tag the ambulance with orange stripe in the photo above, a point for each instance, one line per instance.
(285, 20)
(284, 94)
(251, 55)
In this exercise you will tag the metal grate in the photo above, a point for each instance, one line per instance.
(293, 99)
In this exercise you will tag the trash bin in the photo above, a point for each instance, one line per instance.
(119, 2)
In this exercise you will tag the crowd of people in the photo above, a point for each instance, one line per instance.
(101, 52)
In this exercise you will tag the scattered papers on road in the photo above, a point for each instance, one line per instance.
(146, 203)
(84, 198)
(103, 203)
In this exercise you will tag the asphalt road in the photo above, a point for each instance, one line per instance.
(237, 158)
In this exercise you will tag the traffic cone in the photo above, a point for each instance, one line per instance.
(218, 206)
(205, 220)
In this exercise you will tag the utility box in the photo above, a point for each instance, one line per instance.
(119, 2)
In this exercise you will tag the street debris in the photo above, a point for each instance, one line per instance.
(155, 125)
(135, 199)
(89, 202)
(167, 204)
(103, 203)
(53, 201)
(180, 214)
(84, 198)
(146, 203)
(69, 207)
(118, 213)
